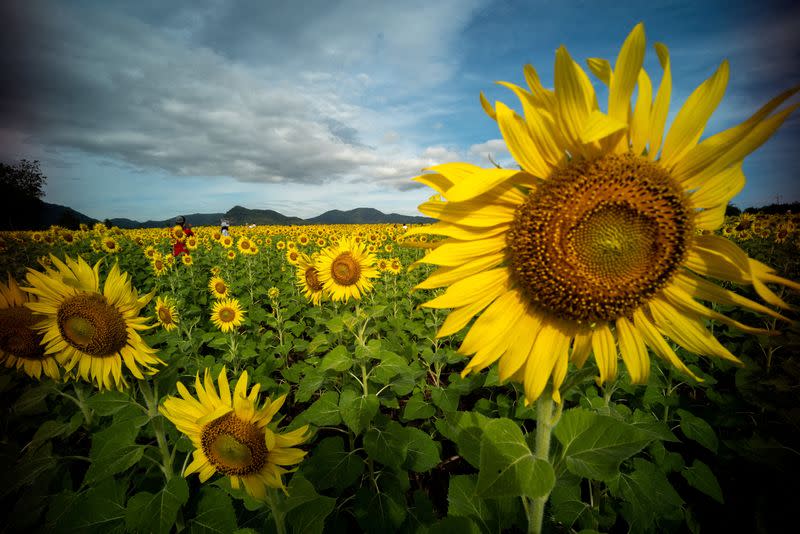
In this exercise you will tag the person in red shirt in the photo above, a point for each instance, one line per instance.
(180, 235)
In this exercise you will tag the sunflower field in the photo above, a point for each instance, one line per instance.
(582, 344)
(371, 425)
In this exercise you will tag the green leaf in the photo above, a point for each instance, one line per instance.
(49, 430)
(417, 408)
(465, 429)
(32, 400)
(215, 514)
(357, 411)
(323, 412)
(648, 496)
(331, 466)
(339, 359)
(699, 430)
(306, 509)
(28, 468)
(595, 445)
(463, 500)
(114, 449)
(100, 509)
(309, 385)
(445, 399)
(507, 466)
(385, 445)
(701, 477)
(108, 402)
(421, 451)
(147, 512)
(381, 509)
(566, 502)
(399, 446)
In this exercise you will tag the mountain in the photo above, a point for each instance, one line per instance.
(38, 215)
(46, 215)
(238, 215)
(366, 216)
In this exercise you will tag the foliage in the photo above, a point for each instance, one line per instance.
(401, 441)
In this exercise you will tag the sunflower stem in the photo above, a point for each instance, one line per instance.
(81, 402)
(151, 399)
(277, 516)
(544, 431)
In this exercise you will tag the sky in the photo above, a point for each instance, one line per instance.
(149, 109)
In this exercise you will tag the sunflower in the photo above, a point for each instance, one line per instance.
(218, 287)
(231, 255)
(109, 244)
(597, 240)
(87, 330)
(166, 313)
(395, 266)
(273, 293)
(230, 434)
(226, 241)
(383, 264)
(293, 256)
(177, 233)
(20, 344)
(159, 266)
(186, 259)
(345, 270)
(308, 279)
(303, 240)
(192, 243)
(244, 244)
(227, 314)
(280, 245)
(150, 252)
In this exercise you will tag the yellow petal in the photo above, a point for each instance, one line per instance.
(601, 68)
(655, 341)
(551, 344)
(691, 120)
(626, 73)
(445, 276)
(452, 252)
(605, 352)
(471, 289)
(688, 331)
(704, 154)
(517, 354)
(487, 107)
(660, 109)
(599, 126)
(720, 188)
(633, 351)
(640, 122)
(575, 98)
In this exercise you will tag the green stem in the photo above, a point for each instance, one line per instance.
(150, 398)
(277, 516)
(544, 430)
(364, 378)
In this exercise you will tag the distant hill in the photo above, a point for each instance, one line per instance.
(38, 215)
(54, 214)
(366, 216)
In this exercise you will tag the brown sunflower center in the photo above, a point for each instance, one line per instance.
(165, 315)
(234, 447)
(93, 326)
(312, 279)
(345, 270)
(227, 315)
(220, 288)
(599, 238)
(16, 336)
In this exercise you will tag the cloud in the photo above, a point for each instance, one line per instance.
(261, 92)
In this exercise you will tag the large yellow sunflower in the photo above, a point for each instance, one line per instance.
(227, 314)
(88, 330)
(20, 344)
(345, 270)
(602, 242)
(230, 434)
